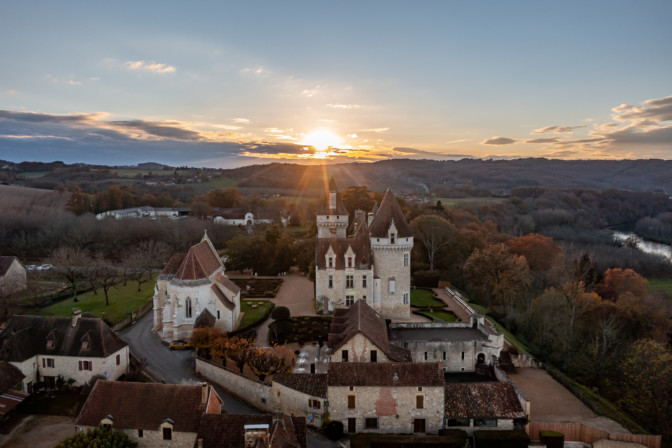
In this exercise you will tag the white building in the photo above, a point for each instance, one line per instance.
(190, 285)
(369, 260)
(44, 348)
(238, 217)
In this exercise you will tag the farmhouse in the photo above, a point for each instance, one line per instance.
(12, 275)
(238, 217)
(190, 285)
(369, 260)
(78, 348)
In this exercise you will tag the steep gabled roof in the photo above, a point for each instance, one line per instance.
(9, 376)
(200, 262)
(27, 336)
(385, 374)
(143, 405)
(173, 264)
(335, 209)
(388, 212)
(361, 318)
(205, 320)
(482, 400)
(5, 263)
(228, 284)
(360, 245)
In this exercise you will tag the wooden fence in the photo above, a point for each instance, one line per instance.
(578, 432)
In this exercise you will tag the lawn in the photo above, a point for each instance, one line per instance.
(256, 311)
(123, 301)
(424, 298)
(440, 315)
(660, 285)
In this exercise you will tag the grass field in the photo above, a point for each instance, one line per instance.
(34, 174)
(660, 285)
(252, 315)
(123, 301)
(452, 202)
(445, 316)
(423, 298)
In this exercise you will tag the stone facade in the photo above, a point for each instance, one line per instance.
(12, 276)
(359, 348)
(296, 403)
(359, 262)
(190, 284)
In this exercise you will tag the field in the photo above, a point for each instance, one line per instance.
(424, 298)
(123, 301)
(26, 200)
(663, 285)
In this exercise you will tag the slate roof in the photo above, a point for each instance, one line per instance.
(361, 318)
(228, 430)
(383, 374)
(205, 320)
(310, 384)
(339, 209)
(200, 262)
(27, 336)
(360, 244)
(10, 376)
(482, 400)
(143, 405)
(228, 284)
(5, 262)
(388, 212)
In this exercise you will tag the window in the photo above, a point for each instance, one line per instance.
(140, 433)
(374, 355)
(363, 281)
(187, 307)
(85, 345)
(419, 388)
(349, 281)
(331, 262)
(405, 260)
(393, 284)
(484, 422)
(86, 365)
(48, 362)
(371, 423)
(167, 434)
(405, 299)
(458, 422)
(391, 238)
(218, 315)
(349, 300)
(462, 356)
(419, 402)
(118, 359)
(344, 355)
(331, 282)
(444, 356)
(315, 404)
(419, 425)
(425, 356)
(50, 343)
(349, 262)
(351, 402)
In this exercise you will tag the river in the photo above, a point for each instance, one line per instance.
(646, 246)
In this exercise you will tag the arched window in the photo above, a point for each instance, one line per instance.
(187, 307)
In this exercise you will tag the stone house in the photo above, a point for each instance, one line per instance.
(12, 276)
(368, 260)
(189, 285)
(301, 394)
(489, 405)
(387, 397)
(78, 348)
(183, 416)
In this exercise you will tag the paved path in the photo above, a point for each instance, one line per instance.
(551, 402)
(452, 305)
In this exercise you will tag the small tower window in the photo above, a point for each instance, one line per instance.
(187, 307)
(405, 260)
(331, 262)
(391, 238)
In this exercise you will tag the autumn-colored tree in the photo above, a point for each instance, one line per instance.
(203, 338)
(357, 198)
(199, 209)
(78, 203)
(647, 384)
(503, 275)
(240, 351)
(617, 282)
(229, 198)
(541, 252)
(267, 361)
(434, 232)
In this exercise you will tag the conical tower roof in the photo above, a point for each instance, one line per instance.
(329, 208)
(388, 212)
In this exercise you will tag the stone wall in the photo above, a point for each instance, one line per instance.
(154, 439)
(389, 263)
(395, 407)
(359, 350)
(295, 403)
(246, 389)
(336, 295)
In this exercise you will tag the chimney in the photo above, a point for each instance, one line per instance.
(254, 433)
(200, 443)
(76, 315)
(204, 392)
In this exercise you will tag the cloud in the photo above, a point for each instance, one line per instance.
(165, 130)
(74, 83)
(46, 118)
(11, 92)
(343, 106)
(543, 140)
(376, 130)
(256, 71)
(277, 148)
(241, 120)
(498, 141)
(557, 129)
(153, 67)
(421, 152)
(654, 110)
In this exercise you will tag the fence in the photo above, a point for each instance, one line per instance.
(579, 432)
(144, 309)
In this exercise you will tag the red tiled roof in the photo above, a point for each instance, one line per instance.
(9, 400)
(200, 262)
(173, 264)
(309, 384)
(228, 430)
(482, 400)
(228, 284)
(143, 405)
(361, 318)
(387, 374)
(388, 212)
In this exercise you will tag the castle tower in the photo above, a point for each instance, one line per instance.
(391, 244)
(332, 218)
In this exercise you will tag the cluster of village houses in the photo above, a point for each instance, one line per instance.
(373, 375)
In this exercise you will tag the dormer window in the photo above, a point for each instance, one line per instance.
(85, 345)
(349, 262)
(331, 261)
(392, 238)
(50, 343)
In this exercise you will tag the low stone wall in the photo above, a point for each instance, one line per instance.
(251, 391)
(144, 309)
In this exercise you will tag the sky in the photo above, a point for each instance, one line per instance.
(226, 84)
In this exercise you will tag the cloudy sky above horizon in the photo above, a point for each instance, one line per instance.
(226, 84)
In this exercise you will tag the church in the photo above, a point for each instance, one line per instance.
(192, 291)
(368, 259)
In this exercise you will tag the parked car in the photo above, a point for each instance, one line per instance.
(180, 345)
(45, 267)
(31, 267)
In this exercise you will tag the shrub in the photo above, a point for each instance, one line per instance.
(280, 313)
(552, 439)
(501, 439)
(428, 279)
(334, 430)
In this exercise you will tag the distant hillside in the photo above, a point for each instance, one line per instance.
(17, 199)
(498, 176)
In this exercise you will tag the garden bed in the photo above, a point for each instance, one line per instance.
(425, 298)
(438, 315)
(304, 329)
(256, 288)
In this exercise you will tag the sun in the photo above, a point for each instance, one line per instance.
(322, 140)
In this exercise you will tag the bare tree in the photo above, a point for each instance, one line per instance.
(70, 263)
(105, 275)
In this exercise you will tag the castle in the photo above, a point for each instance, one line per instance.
(370, 259)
